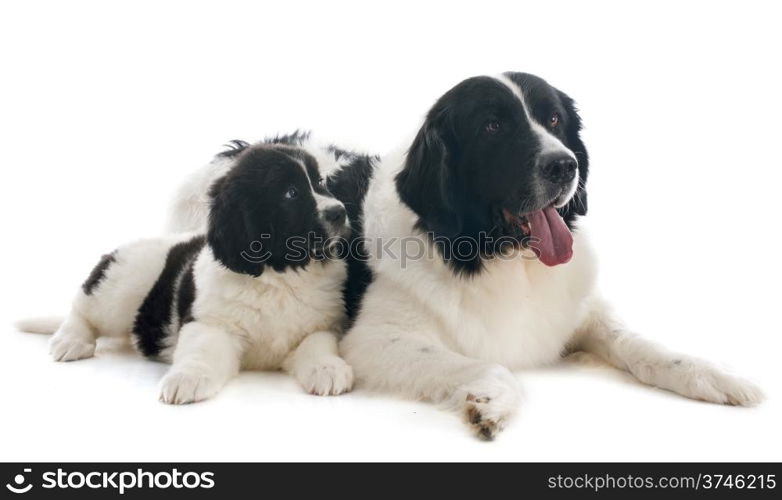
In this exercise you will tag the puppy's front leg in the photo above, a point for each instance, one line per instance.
(317, 366)
(602, 335)
(205, 358)
(419, 367)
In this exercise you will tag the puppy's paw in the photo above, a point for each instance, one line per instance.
(490, 402)
(180, 387)
(328, 377)
(70, 348)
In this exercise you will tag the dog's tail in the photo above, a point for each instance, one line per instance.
(44, 324)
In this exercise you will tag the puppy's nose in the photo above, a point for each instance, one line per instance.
(335, 214)
(558, 168)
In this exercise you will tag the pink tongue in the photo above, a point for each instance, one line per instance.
(551, 239)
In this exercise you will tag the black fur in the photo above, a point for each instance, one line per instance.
(251, 223)
(237, 146)
(460, 176)
(154, 318)
(186, 295)
(98, 272)
(349, 185)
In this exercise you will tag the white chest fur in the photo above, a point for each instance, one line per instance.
(520, 313)
(516, 312)
(273, 312)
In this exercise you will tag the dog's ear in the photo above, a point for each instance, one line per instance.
(578, 205)
(424, 184)
(231, 233)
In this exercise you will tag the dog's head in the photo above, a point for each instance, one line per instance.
(272, 209)
(499, 160)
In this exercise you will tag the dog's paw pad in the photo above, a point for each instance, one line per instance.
(328, 378)
(490, 402)
(182, 387)
(70, 349)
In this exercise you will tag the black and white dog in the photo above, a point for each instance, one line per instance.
(468, 263)
(256, 290)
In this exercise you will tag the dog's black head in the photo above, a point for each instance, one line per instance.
(272, 209)
(498, 161)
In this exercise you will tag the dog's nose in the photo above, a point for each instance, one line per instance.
(558, 168)
(335, 214)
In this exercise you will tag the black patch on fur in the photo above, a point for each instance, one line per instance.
(98, 272)
(155, 314)
(460, 176)
(186, 295)
(253, 225)
(349, 185)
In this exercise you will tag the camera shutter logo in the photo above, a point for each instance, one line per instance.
(18, 482)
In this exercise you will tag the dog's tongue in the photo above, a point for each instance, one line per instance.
(552, 241)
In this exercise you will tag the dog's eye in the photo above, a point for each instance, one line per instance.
(553, 122)
(292, 193)
(492, 127)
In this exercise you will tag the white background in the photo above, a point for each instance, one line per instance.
(105, 107)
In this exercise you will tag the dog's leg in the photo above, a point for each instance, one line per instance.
(74, 339)
(602, 335)
(317, 366)
(205, 358)
(389, 359)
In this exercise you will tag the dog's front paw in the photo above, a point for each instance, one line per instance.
(326, 377)
(709, 383)
(185, 386)
(70, 348)
(698, 379)
(490, 402)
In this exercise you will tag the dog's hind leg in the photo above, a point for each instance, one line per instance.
(75, 339)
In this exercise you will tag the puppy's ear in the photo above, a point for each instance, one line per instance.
(424, 183)
(578, 205)
(230, 233)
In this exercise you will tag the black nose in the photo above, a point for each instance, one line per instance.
(335, 214)
(558, 168)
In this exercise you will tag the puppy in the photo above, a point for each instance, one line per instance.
(260, 290)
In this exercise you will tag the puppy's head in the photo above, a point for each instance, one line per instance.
(272, 209)
(502, 158)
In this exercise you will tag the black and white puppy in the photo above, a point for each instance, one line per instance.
(257, 290)
(475, 263)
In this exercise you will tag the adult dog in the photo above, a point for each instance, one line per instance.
(475, 263)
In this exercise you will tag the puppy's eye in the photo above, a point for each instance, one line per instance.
(492, 127)
(292, 193)
(553, 122)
